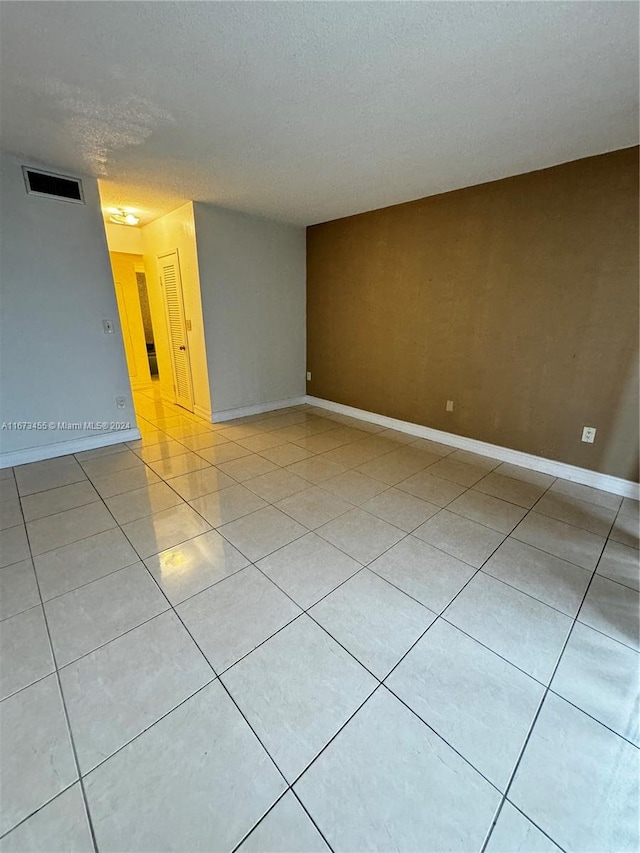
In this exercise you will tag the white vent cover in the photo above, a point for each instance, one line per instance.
(50, 185)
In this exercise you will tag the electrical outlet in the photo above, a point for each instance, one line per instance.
(589, 434)
(107, 326)
(121, 402)
(308, 376)
(449, 406)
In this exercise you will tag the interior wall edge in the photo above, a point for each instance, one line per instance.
(258, 409)
(63, 448)
(584, 476)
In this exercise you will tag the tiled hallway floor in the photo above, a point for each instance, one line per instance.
(301, 632)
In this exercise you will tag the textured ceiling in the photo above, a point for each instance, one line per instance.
(307, 111)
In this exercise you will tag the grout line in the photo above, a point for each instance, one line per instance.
(151, 725)
(537, 714)
(529, 594)
(41, 807)
(64, 709)
(595, 719)
(309, 815)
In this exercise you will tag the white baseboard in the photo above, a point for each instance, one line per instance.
(63, 448)
(245, 411)
(606, 482)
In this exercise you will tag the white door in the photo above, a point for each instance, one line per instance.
(171, 283)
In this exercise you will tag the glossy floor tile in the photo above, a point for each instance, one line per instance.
(601, 677)
(400, 509)
(186, 569)
(287, 827)
(10, 513)
(571, 767)
(90, 616)
(296, 691)
(563, 540)
(60, 529)
(42, 476)
(613, 609)
(14, 545)
(313, 506)
(200, 760)
(58, 500)
(164, 529)
(373, 620)
(620, 563)
(427, 574)
(148, 671)
(25, 651)
(514, 833)
(435, 650)
(361, 535)
(81, 562)
(523, 630)
(227, 505)
(437, 678)
(308, 568)
(143, 502)
(262, 532)
(388, 782)
(18, 588)
(37, 757)
(550, 579)
(61, 826)
(459, 536)
(509, 488)
(231, 618)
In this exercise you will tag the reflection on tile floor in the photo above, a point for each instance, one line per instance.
(302, 632)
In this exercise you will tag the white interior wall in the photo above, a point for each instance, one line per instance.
(253, 284)
(57, 365)
(176, 230)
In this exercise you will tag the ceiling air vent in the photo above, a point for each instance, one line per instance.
(51, 185)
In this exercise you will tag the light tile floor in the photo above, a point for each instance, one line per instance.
(302, 632)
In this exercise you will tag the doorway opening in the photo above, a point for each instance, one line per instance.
(147, 324)
(157, 283)
(138, 334)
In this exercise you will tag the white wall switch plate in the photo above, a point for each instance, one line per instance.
(308, 376)
(589, 434)
(449, 406)
(121, 402)
(107, 326)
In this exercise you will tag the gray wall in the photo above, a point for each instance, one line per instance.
(56, 289)
(252, 279)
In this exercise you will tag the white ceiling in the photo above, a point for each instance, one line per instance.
(308, 111)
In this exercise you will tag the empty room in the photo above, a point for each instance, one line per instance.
(319, 499)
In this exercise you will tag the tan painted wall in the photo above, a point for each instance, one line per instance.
(517, 299)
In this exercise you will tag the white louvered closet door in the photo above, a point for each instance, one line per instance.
(171, 283)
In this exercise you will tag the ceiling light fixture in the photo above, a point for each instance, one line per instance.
(121, 217)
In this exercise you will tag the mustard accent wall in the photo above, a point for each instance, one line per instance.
(516, 299)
